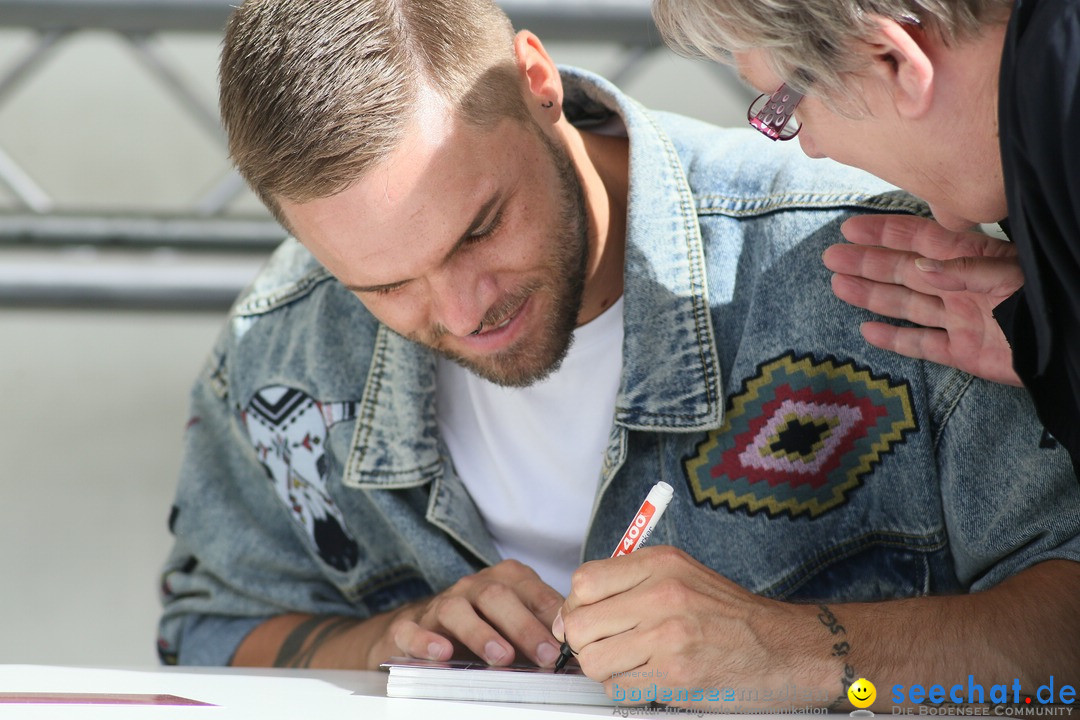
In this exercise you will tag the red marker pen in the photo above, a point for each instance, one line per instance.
(640, 529)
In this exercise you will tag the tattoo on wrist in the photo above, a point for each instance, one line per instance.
(299, 648)
(841, 649)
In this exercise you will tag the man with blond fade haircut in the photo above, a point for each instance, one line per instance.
(972, 105)
(515, 300)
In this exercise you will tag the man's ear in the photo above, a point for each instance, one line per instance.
(542, 84)
(902, 58)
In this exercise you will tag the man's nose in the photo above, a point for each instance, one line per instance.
(461, 300)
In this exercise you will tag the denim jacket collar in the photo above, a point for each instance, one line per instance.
(666, 307)
(666, 315)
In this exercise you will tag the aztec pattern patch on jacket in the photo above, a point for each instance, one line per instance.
(288, 429)
(800, 437)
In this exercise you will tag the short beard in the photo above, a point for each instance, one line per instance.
(525, 364)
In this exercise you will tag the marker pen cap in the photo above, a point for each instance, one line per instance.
(660, 496)
(646, 518)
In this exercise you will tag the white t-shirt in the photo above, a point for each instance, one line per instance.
(531, 457)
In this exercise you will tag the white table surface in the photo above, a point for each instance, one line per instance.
(235, 693)
(272, 694)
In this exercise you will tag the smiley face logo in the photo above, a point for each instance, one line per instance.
(862, 693)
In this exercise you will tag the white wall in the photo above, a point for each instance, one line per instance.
(93, 403)
(94, 409)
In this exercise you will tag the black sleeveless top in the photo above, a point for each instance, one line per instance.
(1039, 123)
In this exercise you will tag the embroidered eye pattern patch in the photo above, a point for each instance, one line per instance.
(800, 437)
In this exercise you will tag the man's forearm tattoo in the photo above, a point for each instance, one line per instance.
(299, 648)
(841, 648)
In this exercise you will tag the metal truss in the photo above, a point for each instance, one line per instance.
(122, 245)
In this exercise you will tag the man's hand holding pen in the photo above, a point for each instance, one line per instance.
(660, 617)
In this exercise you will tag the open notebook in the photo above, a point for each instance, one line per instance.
(465, 680)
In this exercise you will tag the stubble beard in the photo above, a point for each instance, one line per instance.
(536, 357)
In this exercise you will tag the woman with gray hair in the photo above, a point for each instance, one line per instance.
(973, 105)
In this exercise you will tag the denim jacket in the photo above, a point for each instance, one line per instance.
(807, 464)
